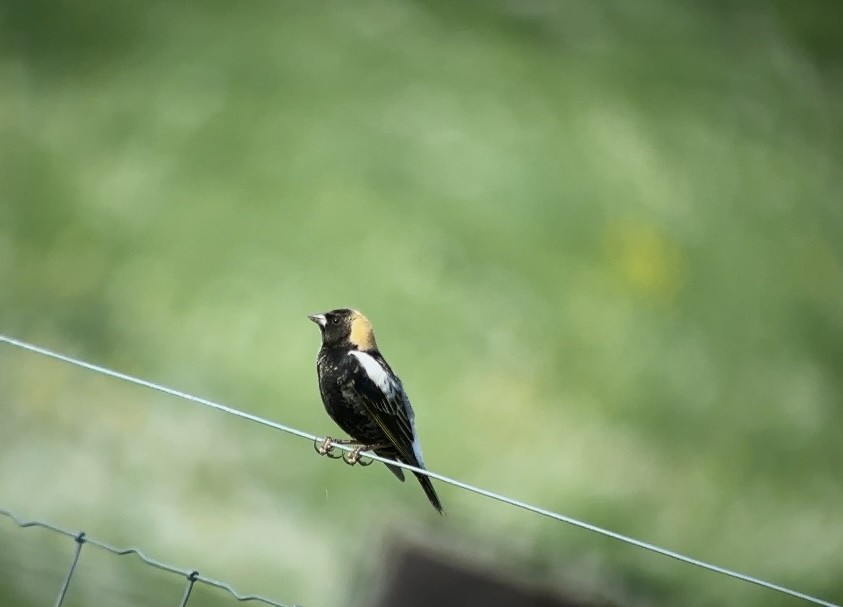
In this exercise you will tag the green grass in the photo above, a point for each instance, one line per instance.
(601, 245)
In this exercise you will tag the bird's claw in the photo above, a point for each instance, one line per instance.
(353, 457)
(326, 447)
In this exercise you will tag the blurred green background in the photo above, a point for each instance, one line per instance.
(602, 243)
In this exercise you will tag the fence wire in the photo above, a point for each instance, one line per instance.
(81, 539)
(445, 479)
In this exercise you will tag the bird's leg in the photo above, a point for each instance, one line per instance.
(354, 456)
(326, 447)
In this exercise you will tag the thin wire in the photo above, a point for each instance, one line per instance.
(190, 574)
(191, 580)
(445, 479)
(80, 541)
(153, 386)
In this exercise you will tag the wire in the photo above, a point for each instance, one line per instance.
(445, 479)
(81, 538)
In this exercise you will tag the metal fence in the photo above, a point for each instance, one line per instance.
(192, 577)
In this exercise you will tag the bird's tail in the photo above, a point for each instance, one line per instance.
(424, 481)
(398, 472)
(430, 492)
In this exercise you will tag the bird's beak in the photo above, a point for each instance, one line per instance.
(319, 319)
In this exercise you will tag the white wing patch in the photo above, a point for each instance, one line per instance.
(375, 371)
(391, 388)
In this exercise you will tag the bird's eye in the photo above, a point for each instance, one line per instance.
(335, 320)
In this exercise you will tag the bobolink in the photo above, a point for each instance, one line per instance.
(364, 397)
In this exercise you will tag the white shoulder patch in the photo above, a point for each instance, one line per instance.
(375, 371)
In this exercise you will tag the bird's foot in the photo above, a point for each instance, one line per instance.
(326, 446)
(354, 456)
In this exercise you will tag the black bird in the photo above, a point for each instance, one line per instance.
(364, 397)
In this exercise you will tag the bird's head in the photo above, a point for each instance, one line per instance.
(345, 327)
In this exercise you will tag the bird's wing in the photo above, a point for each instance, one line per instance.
(382, 394)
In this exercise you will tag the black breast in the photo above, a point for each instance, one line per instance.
(342, 385)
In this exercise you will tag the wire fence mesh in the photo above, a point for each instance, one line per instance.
(81, 539)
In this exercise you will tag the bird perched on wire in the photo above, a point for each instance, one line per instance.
(364, 397)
